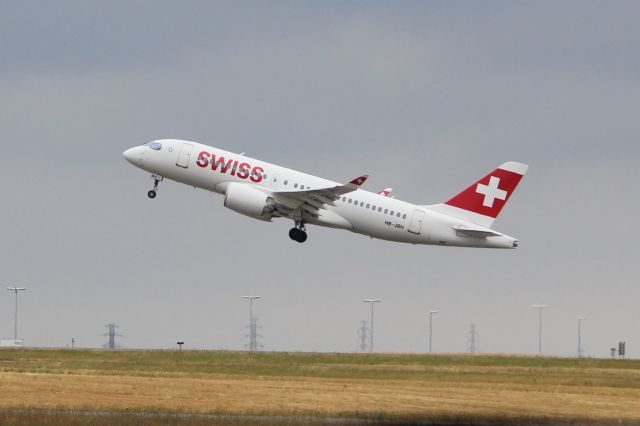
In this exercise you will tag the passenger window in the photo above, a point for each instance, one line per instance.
(398, 214)
(368, 205)
(286, 182)
(379, 209)
(391, 212)
(404, 216)
(295, 185)
(386, 211)
(349, 200)
(361, 203)
(373, 208)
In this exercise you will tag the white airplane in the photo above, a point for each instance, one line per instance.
(265, 191)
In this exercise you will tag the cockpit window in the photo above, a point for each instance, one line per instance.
(155, 145)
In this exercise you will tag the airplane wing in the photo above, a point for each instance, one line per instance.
(294, 203)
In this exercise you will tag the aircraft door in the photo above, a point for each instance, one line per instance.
(184, 155)
(416, 222)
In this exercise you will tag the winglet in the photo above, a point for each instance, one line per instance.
(386, 192)
(359, 180)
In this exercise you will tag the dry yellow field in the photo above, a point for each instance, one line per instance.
(391, 387)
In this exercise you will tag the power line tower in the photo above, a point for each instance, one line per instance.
(111, 344)
(472, 339)
(253, 326)
(363, 336)
(253, 335)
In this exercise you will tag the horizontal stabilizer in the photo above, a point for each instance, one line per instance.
(467, 231)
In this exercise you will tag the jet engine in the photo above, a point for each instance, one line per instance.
(249, 201)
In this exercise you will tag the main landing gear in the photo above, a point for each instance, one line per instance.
(156, 181)
(298, 233)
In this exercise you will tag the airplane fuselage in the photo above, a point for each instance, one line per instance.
(359, 211)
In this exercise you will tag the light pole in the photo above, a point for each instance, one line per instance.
(15, 321)
(540, 308)
(372, 301)
(253, 341)
(580, 319)
(431, 326)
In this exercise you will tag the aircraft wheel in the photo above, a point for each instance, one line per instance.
(151, 194)
(298, 235)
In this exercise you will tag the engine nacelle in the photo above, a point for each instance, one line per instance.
(249, 201)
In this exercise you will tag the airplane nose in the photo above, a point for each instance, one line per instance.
(129, 155)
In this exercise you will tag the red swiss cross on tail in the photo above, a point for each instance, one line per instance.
(491, 191)
(488, 196)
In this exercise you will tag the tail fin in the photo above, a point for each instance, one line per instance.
(482, 202)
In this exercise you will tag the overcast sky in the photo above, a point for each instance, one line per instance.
(424, 96)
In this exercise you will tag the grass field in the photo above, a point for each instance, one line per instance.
(102, 387)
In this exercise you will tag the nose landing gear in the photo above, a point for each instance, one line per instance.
(298, 233)
(156, 181)
(152, 193)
